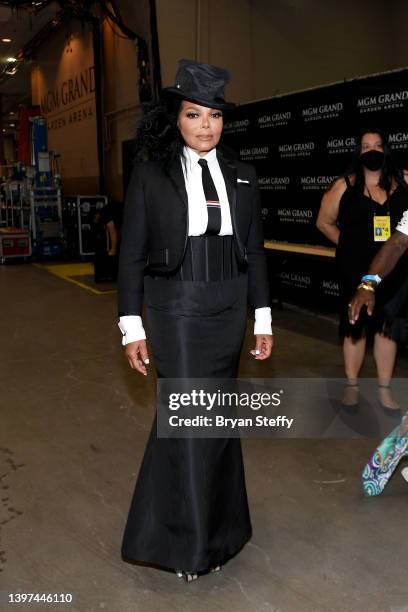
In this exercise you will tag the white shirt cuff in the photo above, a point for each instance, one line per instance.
(403, 224)
(131, 327)
(263, 320)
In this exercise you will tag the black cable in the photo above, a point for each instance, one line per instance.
(109, 21)
(116, 10)
(116, 19)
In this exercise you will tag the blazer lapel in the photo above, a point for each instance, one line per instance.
(175, 173)
(229, 172)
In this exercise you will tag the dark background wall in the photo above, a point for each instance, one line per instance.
(276, 46)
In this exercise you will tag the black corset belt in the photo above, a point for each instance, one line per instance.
(208, 258)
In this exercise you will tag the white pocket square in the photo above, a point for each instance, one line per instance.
(243, 181)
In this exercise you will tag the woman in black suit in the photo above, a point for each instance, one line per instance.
(192, 251)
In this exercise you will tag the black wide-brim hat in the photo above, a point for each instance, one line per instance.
(200, 83)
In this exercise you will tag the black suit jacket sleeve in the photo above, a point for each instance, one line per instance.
(258, 286)
(134, 248)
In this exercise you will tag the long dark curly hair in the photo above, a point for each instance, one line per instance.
(389, 170)
(157, 135)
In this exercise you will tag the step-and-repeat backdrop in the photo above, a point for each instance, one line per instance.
(299, 143)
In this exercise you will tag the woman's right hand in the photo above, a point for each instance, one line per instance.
(136, 353)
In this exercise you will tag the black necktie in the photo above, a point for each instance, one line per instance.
(211, 195)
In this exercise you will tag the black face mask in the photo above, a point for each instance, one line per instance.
(372, 160)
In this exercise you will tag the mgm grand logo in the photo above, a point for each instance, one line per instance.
(295, 215)
(239, 125)
(316, 183)
(336, 146)
(275, 183)
(274, 120)
(384, 101)
(293, 279)
(254, 153)
(331, 288)
(297, 149)
(398, 140)
(324, 111)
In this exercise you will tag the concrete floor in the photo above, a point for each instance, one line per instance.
(74, 422)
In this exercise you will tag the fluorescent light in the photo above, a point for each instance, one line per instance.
(6, 40)
(11, 59)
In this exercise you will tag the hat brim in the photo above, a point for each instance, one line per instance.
(173, 91)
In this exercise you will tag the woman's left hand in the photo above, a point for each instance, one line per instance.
(263, 346)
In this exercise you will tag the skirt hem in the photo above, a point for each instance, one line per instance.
(172, 565)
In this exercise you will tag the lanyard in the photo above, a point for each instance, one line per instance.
(381, 222)
(386, 203)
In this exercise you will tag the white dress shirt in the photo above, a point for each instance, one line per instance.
(403, 224)
(131, 326)
(197, 204)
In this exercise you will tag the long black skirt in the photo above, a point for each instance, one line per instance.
(189, 509)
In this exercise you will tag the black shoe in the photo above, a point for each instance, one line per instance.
(350, 396)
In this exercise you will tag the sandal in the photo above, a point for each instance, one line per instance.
(391, 408)
(188, 576)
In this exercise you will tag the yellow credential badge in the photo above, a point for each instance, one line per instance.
(382, 228)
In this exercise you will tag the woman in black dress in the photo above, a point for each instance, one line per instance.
(358, 213)
(192, 251)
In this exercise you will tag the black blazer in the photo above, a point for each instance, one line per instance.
(155, 226)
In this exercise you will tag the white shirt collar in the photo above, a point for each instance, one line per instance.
(193, 157)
